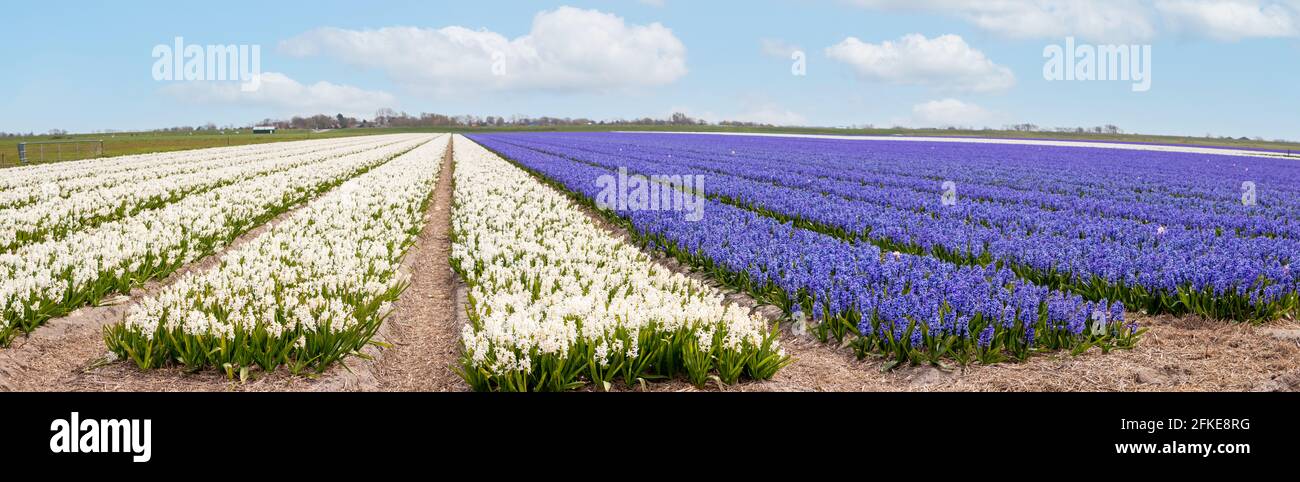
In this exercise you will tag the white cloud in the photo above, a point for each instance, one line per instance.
(567, 49)
(777, 48)
(769, 113)
(752, 109)
(945, 62)
(285, 96)
(1231, 20)
(949, 113)
(1098, 21)
(1113, 21)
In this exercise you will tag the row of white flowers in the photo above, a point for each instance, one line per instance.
(556, 302)
(21, 187)
(133, 191)
(53, 277)
(64, 182)
(306, 293)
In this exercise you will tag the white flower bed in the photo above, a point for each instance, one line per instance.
(306, 293)
(124, 194)
(554, 299)
(51, 278)
(29, 184)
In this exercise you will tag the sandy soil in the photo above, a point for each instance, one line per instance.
(424, 328)
(1185, 354)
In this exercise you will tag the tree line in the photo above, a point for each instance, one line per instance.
(387, 117)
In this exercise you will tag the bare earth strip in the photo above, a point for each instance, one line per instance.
(423, 332)
(1176, 354)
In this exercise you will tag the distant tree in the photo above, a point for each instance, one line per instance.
(383, 115)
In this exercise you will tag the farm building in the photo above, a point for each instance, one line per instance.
(264, 130)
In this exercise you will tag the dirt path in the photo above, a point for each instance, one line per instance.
(1176, 354)
(423, 330)
(421, 333)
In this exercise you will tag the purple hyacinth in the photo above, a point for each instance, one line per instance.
(738, 233)
(986, 336)
(1170, 222)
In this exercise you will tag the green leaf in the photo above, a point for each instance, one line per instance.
(889, 365)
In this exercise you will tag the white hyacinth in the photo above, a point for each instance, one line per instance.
(259, 180)
(520, 229)
(305, 266)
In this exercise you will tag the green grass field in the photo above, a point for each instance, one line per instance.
(124, 143)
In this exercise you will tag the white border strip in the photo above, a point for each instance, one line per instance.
(1027, 142)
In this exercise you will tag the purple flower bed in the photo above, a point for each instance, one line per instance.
(1166, 232)
(911, 308)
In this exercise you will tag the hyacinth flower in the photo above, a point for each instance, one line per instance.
(307, 293)
(555, 303)
(62, 208)
(53, 277)
(906, 307)
(1127, 246)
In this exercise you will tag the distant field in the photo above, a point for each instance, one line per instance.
(124, 143)
(992, 134)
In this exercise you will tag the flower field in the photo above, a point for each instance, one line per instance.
(305, 294)
(614, 260)
(1164, 232)
(553, 298)
(54, 210)
(905, 306)
(77, 267)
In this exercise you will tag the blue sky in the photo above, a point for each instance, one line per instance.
(1223, 67)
